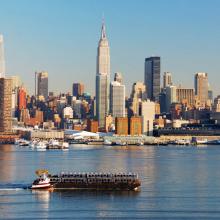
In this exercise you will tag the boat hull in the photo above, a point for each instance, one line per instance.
(41, 186)
(95, 186)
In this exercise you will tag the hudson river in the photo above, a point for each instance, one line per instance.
(177, 183)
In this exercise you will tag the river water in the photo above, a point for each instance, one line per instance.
(177, 183)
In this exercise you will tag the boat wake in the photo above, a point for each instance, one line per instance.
(13, 187)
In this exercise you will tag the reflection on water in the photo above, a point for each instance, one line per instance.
(6, 159)
(43, 196)
(91, 193)
(176, 183)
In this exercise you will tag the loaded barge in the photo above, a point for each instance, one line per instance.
(95, 181)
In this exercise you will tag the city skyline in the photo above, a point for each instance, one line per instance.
(75, 34)
(109, 109)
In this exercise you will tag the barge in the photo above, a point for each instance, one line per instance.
(95, 181)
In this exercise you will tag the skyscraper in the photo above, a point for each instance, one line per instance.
(170, 97)
(22, 98)
(42, 84)
(152, 77)
(185, 96)
(167, 79)
(78, 89)
(138, 94)
(201, 88)
(2, 58)
(102, 78)
(117, 98)
(5, 104)
(16, 83)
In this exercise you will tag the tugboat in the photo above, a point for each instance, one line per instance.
(43, 182)
(94, 181)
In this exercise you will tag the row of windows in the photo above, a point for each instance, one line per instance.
(98, 175)
(93, 180)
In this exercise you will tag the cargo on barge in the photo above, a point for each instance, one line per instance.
(96, 181)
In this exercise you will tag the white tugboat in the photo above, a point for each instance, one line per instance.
(42, 182)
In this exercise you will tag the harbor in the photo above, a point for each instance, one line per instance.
(164, 168)
(61, 139)
(116, 140)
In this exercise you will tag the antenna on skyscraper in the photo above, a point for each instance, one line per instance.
(103, 33)
(103, 18)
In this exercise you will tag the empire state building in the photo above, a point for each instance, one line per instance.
(102, 78)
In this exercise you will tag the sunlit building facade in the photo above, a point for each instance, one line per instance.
(102, 78)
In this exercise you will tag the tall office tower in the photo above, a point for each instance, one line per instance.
(201, 88)
(42, 85)
(5, 104)
(185, 96)
(170, 96)
(78, 89)
(2, 58)
(22, 98)
(102, 78)
(117, 98)
(77, 108)
(13, 104)
(167, 79)
(138, 94)
(16, 83)
(152, 77)
(148, 116)
(162, 101)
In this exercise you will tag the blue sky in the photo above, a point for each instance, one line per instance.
(61, 37)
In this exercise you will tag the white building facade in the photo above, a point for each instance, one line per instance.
(201, 88)
(170, 96)
(148, 116)
(167, 79)
(102, 78)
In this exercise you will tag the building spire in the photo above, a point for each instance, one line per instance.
(103, 32)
